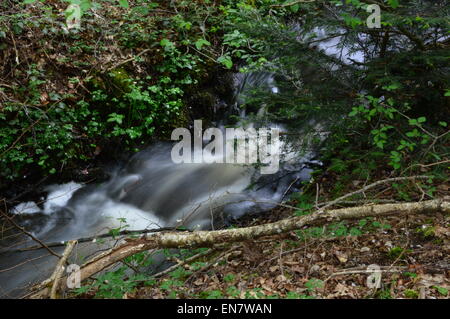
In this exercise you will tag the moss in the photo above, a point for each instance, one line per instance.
(412, 294)
(383, 294)
(426, 231)
(397, 252)
(120, 81)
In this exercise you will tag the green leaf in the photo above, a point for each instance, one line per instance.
(295, 8)
(164, 42)
(226, 61)
(85, 5)
(393, 3)
(124, 4)
(313, 284)
(422, 119)
(200, 43)
(392, 87)
(443, 291)
(29, 1)
(354, 112)
(117, 118)
(167, 44)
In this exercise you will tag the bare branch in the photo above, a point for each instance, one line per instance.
(362, 190)
(197, 239)
(60, 268)
(23, 230)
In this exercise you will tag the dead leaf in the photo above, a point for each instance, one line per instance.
(274, 268)
(441, 232)
(298, 269)
(199, 282)
(343, 258)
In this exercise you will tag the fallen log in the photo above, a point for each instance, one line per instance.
(60, 268)
(131, 246)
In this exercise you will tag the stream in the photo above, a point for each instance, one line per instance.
(149, 192)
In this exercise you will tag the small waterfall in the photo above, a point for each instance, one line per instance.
(150, 192)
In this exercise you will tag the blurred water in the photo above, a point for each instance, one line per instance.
(149, 192)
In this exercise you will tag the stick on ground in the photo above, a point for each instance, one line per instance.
(197, 239)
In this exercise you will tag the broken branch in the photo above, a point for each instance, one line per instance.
(210, 238)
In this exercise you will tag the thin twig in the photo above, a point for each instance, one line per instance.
(108, 235)
(207, 266)
(115, 66)
(29, 235)
(186, 261)
(365, 271)
(384, 181)
(291, 3)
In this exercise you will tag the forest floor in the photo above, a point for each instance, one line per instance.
(287, 266)
(328, 261)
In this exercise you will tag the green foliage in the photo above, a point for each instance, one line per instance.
(412, 294)
(383, 294)
(313, 284)
(398, 253)
(397, 122)
(342, 229)
(443, 291)
(426, 231)
(211, 294)
(295, 295)
(233, 292)
(52, 130)
(304, 204)
(410, 274)
(48, 130)
(180, 273)
(229, 278)
(399, 144)
(112, 285)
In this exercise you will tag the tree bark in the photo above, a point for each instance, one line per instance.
(197, 239)
(60, 268)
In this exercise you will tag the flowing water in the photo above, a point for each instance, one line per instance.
(149, 192)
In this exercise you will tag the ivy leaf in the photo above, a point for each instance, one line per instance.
(393, 3)
(85, 5)
(114, 117)
(295, 8)
(200, 43)
(124, 4)
(443, 291)
(167, 44)
(392, 87)
(226, 61)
